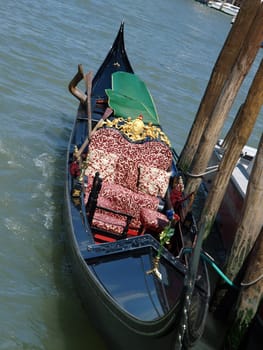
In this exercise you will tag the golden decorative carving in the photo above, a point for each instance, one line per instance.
(137, 130)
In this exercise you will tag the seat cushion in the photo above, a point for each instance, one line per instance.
(126, 200)
(153, 181)
(110, 222)
(119, 198)
(153, 220)
(102, 162)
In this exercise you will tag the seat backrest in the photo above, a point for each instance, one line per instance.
(126, 157)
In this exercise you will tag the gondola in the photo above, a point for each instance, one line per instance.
(129, 242)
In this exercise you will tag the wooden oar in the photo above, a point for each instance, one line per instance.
(107, 113)
(88, 83)
(86, 98)
(73, 85)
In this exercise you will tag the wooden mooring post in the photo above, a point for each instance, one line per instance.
(227, 77)
(252, 215)
(237, 138)
(220, 74)
(249, 298)
(225, 100)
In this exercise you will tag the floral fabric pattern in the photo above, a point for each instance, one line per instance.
(130, 155)
(103, 162)
(153, 181)
(119, 163)
(122, 199)
(153, 221)
(109, 222)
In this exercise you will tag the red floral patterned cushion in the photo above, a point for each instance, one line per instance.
(153, 220)
(122, 199)
(103, 162)
(118, 162)
(109, 222)
(153, 181)
(130, 155)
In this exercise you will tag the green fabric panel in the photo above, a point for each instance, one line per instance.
(129, 97)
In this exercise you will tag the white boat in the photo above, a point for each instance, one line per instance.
(225, 7)
(233, 19)
(230, 9)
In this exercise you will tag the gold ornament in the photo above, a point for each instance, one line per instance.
(136, 130)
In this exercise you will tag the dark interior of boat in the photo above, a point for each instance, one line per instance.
(127, 184)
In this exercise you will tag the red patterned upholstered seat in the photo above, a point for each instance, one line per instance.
(124, 166)
(120, 198)
(130, 155)
(109, 222)
(152, 220)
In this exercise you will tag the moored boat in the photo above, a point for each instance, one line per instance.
(224, 6)
(231, 208)
(228, 220)
(126, 232)
(203, 1)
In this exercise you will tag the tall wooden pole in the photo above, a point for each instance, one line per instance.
(225, 62)
(232, 130)
(225, 100)
(250, 297)
(247, 117)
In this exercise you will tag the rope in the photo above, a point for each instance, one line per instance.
(211, 261)
(207, 258)
(209, 170)
(248, 284)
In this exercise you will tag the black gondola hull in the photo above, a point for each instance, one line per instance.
(132, 308)
(119, 329)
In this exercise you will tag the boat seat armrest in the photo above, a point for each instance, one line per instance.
(127, 216)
